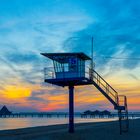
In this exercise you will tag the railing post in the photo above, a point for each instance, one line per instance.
(98, 80)
(117, 99)
(107, 88)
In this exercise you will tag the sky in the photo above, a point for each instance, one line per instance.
(30, 27)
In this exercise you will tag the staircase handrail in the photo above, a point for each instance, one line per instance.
(107, 86)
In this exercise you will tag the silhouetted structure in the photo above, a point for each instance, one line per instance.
(105, 112)
(88, 112)
(5, 111)
(70, 69)
(96, 113)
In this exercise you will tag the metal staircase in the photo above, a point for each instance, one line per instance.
(119, 101)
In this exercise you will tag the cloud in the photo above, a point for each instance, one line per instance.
(38, 99)
(29, 28)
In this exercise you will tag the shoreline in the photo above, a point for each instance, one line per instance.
(83, 131)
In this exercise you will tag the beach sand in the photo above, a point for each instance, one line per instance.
(83, 131)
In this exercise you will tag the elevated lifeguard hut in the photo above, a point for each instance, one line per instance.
(70, 69)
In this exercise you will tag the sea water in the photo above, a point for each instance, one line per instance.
(15, 123)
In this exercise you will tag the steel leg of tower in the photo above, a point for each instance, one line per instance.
(71, 109)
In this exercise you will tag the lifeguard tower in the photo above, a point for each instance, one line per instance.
(70, 69)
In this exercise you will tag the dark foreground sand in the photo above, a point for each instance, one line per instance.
(84, 131)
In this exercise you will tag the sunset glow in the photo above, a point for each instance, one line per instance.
(30, 27)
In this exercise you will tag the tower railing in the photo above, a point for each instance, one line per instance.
(49, 73)
(111, 92)
(52, 72)
(122, 101)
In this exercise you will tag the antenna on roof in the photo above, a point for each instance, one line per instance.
(92, 63)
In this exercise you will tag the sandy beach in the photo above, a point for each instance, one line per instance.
(83, 131)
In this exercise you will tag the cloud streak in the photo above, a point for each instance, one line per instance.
(28, 28)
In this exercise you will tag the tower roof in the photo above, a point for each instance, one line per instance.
(4, 111)
(55, 56)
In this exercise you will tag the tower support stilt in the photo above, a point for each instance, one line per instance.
(71, 109)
